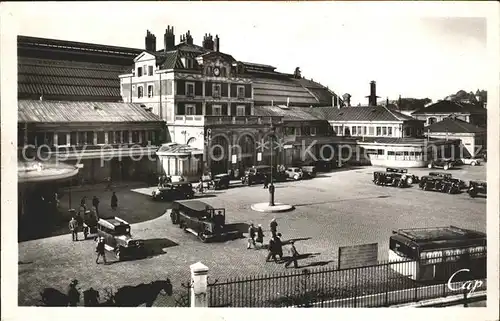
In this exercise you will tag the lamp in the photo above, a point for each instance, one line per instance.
(271, 185)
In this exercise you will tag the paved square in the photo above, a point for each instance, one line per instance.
(335, 209)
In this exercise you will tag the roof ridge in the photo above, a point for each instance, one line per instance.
(398, 118)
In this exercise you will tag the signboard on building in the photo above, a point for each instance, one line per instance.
(234, 159)
(259, 156)
(357, 255)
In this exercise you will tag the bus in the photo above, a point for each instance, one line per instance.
(436, 253)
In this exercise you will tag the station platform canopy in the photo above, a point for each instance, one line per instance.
(36, 171)
(175, 149)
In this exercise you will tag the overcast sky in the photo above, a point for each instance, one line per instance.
(344, 46)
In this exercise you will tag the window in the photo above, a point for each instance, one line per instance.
(241, 91)
(407, 131)
(379, 131)
(150, 91)
(142, 137)
(365, 130)
(298, 131)
(216, 90)
(140, 91)
(223, 72)
(90, 138)
(189, 89)
(240, 110)
(73, 138)
(353, 130)
(190, 110)
(135, 136)
(384, 131)
(125, 137)
(111, 137)
(150, 70)
(209, 71)
(389, 131)
(370, 131)
(359, 130)
(81, 138)
(62, 139)
(217, 110)
(391, 153)
(313, 131)
(100, 138)
(118, 137)
(306, 131)
(139, 72)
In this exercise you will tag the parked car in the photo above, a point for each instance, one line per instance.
(118, 239)
(204, 221)
(396, 178)
(469, 160)
(294, 173)
(440, 184)
(221, 181)
(477, 187)
(173, 191)
(308, 171)
(410, 178)
(444, 163)
(257, 174)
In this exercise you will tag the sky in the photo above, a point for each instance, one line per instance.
(343, 46)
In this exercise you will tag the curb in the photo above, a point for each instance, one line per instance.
(265, 208)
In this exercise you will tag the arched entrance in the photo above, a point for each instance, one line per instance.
(218, 155)
(246, 149)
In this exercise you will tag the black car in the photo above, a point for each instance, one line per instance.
(440, 184)
(221, 181)
(392, 178)
(477, 187)
(257, 174)
(173, 191)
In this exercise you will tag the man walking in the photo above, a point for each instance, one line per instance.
(100, 249)
(272, 250)
(279, 246)
(274, 226)
(114, 201)
(95, 203)
(294, 254)
(251, 236)
(73, 227)
(266, 181)
(260, 236)
(73, 294)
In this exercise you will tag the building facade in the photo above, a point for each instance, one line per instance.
(437, 112)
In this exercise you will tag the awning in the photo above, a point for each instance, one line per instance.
(175, 149)
(106, 153)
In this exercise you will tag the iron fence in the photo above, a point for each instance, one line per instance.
(380, 285)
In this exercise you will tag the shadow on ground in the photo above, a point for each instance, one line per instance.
(156, 247)
(343, 200)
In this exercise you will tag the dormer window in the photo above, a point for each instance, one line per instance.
(216, 90)
(190, 89)
(241, 91)
(139, 72)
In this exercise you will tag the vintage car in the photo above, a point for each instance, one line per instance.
(173, 191)
(294, 173)
(392, 178)
(308, 171)
(440, 184)
(204, 221)
(472, 161)
(118, 239)
(257, 174)
(446, 176)
(477, 187)
(410, 178)
(89, 225)
(221, 181)
(444, 163)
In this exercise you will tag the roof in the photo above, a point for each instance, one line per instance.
(288, 113)
(195, 205)
(447, 106)
(68, 79)
(177, 149)
(377, 113)
(401, 140)
(453, 125)
(43, 111)
(440, 234)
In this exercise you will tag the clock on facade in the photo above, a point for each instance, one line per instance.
(216, 71)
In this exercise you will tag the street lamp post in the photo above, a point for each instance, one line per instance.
(271, 185)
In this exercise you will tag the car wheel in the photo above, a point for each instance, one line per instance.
(409, 181)
(473, 164)
(472, 193)
(296, 177)
(430, 165)
(118, 255)
(446, 167)
(202, 237)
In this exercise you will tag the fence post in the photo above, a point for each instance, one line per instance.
(199, 288)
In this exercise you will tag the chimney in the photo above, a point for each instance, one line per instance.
(188, 38)
(347, 99)
(372, 99)
(169, 39)
(150, 41)
(208, 42)
(216, 43)
(399, 102)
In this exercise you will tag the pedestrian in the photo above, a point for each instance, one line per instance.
(73, 294)
(274, 226)
(73, 227)
(251, 236)
(91, 298)
(83, 204)
(272, 250)
(114, 201)
(100, 250)
(293, 256)
(260, 235)
(266, 181)
(95, 203)
(279, 246)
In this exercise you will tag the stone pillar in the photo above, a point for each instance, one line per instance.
(55, 139)
(106, 138)
(95, 138)
(68, 139)
(199, 285)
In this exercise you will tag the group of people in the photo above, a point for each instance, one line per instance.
(275, 248)
(76, 223)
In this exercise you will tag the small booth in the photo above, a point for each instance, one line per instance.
(181, 160)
